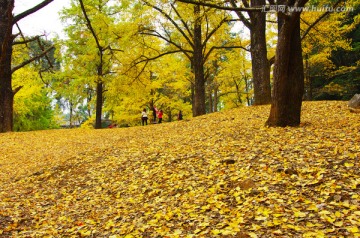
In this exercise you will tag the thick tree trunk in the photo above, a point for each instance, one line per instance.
(192, 88)
(6, 92)
(99, 103)
(198, 67)
(260, 63)
(6, 108)
(308, 83)
(288, 75)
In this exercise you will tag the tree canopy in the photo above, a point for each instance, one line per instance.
(120, 57)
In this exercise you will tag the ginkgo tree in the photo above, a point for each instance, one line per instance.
(234, 81)
(7, 40)
(162, 83)
(91, 47)
(324, 34)
(33, 109)
(194, 31)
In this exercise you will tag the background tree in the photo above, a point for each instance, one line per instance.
(7, 93)
(331, 51)
(256, 23)
(91, 46)
(191, 31)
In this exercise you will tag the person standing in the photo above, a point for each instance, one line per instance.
(154, 113)
(180, 116)
(160, 116)
(144, 117)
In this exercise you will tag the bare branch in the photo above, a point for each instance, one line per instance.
(89, 25)
(31, 60)
(24, 42)
(241, 9)
(241, 16)
(43, 49)
(318, 20)
(223, 47)
(182, 20)
(156, 34)
(31, 11)
(17, 89)
(158, 56)
(172, 21)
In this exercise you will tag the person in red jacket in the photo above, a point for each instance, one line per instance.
(160, 115)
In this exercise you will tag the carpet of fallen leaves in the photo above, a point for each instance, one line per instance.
(219, 175)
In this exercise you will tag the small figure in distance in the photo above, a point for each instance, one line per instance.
(112, 125)
(160, 116)
(180, 116)
(144, 117)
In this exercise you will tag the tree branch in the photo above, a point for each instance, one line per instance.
(89, 25)
(241, 9)
(17, 89)
(31, 60)
(31, 11)
(172, 21)
(156, 34)
(318, 20)
(241, 16)
(223, 47)
(24, 42)
(158, 56)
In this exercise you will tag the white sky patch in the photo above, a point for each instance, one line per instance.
(45, 21)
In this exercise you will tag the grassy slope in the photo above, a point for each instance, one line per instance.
(220, 175)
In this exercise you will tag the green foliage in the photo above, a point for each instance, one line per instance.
(33, 110)
(333, 54)
(32, 104)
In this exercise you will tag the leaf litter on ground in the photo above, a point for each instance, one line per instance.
(219, 175)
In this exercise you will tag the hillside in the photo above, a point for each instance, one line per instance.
(219, 175)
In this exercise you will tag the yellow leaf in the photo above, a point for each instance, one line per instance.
(339, 224)
(128, 236)
(353, 229)
(312, 207)
(216, 232)
(357, 213)
(300, 214)
(84, 233)
(252, 235)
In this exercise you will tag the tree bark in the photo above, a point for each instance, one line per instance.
(7, 21)
(6, 92)
(198, 67)
(99, 104)
(260, 63)
(288, 74)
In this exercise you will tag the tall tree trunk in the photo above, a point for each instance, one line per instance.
(260, 63)
(198, 67)
(6, 92)
(288, 74)
(308, 83)
(99, 103)
(192, 88)
(247, 90)
(216, 98)
(71, 115)
(211, 106)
